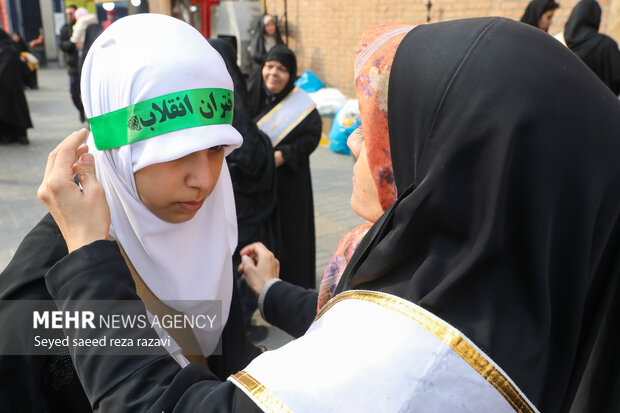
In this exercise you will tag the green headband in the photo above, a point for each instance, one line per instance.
(163, 114)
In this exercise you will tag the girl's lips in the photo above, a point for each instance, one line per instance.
(191, 206)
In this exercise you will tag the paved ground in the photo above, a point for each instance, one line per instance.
(21, 167)
(54, 117)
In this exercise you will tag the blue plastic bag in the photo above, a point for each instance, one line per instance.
(309, 82)
(339, 133)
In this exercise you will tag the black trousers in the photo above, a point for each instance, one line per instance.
(74, 89)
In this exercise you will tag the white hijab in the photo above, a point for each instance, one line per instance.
(139, 58)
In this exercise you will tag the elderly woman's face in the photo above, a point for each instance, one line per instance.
(275, 76)
(365, 198)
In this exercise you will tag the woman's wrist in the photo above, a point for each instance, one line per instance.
(263, 294)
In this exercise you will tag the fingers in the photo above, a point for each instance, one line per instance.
(255, 249)
(247, 250)
(82, 215)
(51, 158)
(67, 153)
(247, 263)
(59, 167)
(252, 249)
(70, 147)
(86, 171)
(81, 150)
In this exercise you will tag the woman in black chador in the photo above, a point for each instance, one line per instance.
(598, 51)
(14, 113)
(294, 128)
(252, 171)
(265, 36)
(491, 284)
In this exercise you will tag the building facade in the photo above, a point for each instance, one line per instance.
(324, 33)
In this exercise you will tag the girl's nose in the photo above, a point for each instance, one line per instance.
(201, 174)
(355, 142)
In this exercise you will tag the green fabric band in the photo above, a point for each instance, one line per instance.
(163, 114)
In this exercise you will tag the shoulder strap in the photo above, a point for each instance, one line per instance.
(183, 336)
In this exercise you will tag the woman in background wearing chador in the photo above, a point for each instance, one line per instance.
(598, 51)
(265, 36)
(253, 175)
(29, 64)
(539, 13)
(293, 308)
(287, 115)
(14, 113)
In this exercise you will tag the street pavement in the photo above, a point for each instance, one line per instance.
(54, 117)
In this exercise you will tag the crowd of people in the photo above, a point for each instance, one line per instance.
(598, 51)
(76, 37)
(485, 278)
(19, 68)
(14, 113)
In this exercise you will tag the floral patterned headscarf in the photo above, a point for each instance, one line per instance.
(373, 62)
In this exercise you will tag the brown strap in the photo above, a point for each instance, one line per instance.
(183, 336)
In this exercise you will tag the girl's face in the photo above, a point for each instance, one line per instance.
(275, 76)
(365, 198)
(174, 191)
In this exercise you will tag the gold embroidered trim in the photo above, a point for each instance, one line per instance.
(277, 107)
(294, 124)
(264, 397)
(446, 333)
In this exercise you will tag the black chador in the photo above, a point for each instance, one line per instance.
(296, 133)
(598, 51)
(14, 114)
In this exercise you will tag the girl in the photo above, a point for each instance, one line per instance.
(159, 101)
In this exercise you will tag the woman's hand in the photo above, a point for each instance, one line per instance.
(82, 214)
(258, 265)
(278, 158)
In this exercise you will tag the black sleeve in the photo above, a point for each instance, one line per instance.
(141, 382)
(252, 165)
(40, 249)
(615, 68)
(237, 350)
(33, 383)
(65, 44)
(290, 307)
(257, 47)
(303, 141)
